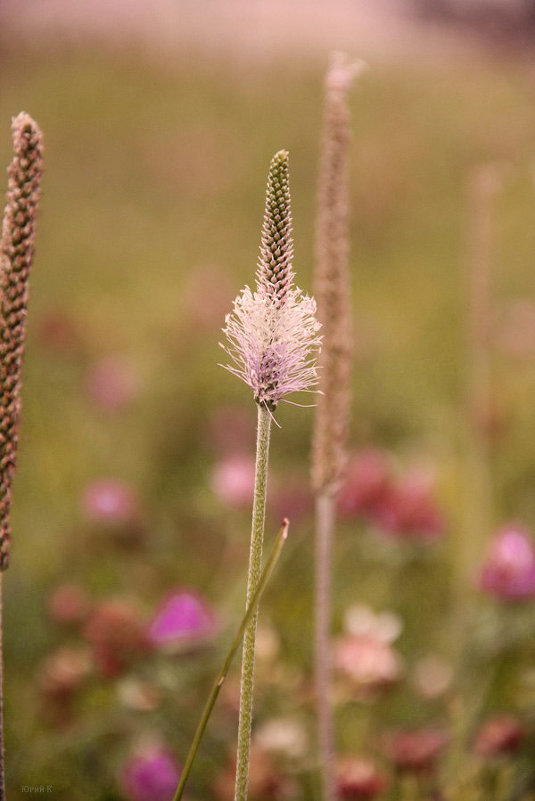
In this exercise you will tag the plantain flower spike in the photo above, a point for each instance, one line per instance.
(272, 332)
(331, 285)
(16, 257)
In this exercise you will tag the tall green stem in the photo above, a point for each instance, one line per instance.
(255, 567)
(218, 683)
(325, 521)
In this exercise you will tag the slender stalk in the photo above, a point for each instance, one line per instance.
(325, 525)
(2, 747)
(16, 260)
(483, 187)
(271, 339)
(333, 293)
(218, 683)
(255, 567)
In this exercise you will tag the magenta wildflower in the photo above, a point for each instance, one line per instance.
(272, 332)
(151, 775)
(509, 571)
(183, 616)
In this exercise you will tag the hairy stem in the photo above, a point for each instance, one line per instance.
(2, 749)
(255, 567)
(218, 683)
(325, 522)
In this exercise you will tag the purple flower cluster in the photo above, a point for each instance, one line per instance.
(182, 617)
(151, 775)
(403, 507)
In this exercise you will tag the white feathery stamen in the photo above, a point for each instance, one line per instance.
(272, 333)
(271, 346)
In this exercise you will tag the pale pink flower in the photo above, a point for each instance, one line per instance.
(233, 480)
(270, 345)
(142, 696)
(282, 737)
(370, 663)
(109, 500)
(361, 620)
(509, 571)
(272, 332)
(432, 676)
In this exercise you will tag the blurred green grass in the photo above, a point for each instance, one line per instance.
(155, 174)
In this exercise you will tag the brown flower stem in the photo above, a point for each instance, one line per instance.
(255, 567)
(325, 524)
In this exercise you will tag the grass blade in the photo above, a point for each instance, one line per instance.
(216, 687)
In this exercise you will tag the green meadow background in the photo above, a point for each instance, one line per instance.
(149, 226)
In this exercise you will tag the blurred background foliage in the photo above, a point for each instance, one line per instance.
(150, 220)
